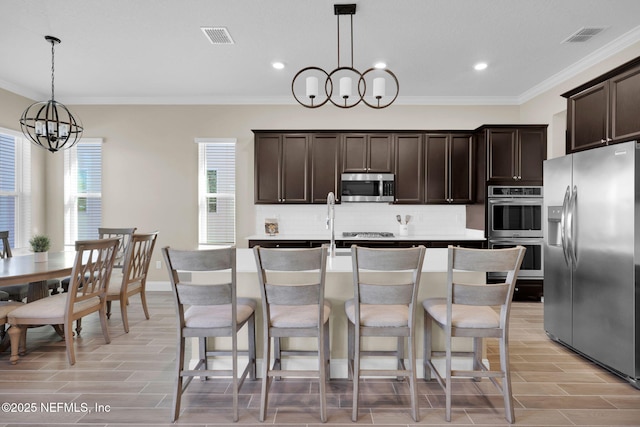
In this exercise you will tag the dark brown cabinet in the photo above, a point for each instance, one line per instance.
(409, 168)
(281, 168)
(325, 161)
(605, 110)
(449, 164)
(515, 154)
(367, 152)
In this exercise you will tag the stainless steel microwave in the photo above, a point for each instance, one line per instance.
(367, 187)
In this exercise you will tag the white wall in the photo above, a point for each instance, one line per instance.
(150, 159)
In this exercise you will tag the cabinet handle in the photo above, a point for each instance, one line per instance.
(603, 140)
(609, 139)
(515, 178)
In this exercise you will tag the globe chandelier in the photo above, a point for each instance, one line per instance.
(338, 84)
(49, 124)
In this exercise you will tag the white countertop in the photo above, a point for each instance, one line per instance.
(435, 261)
(469, 234)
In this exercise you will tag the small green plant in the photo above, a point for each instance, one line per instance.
(40, 243)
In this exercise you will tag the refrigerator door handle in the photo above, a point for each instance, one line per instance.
(563, 225)
(571, 225)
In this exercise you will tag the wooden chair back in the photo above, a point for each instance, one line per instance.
(124, 234)
(6, 247)
(138, 259)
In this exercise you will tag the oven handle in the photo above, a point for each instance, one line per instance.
(517, 241)
(571, 226)
(513, 201)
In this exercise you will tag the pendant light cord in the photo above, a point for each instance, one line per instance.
(52, 68)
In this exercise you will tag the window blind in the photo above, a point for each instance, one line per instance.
(217, 191)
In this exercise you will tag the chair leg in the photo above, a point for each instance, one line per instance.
(447, 388)
(68, 340)
(202, 354)
(356, 374)
(105, 326)
(350, 349)
(143, 299)
(322, 373)
(234, 373)
(15, 331)
(506, 380)
(426, 351)
(266, 380)
(415, 409)
(177, 391)
(477, 356)
(108, 309)
(327, 352)
(123, 313)
(251, 332)
(78, 326)
(400, 356)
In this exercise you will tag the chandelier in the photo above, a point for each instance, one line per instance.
(49, 124)
(338, 84)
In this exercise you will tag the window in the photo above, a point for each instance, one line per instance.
(217, 191)
(15, 187)
(82, 190)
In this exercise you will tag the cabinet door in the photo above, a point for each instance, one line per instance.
(587, 118)
(354, 153)
(625, 108)
(295, 169)
(533, 151)
(380, 153)
(325, 172)
(461, 170)
(409, 169)
(267, 168)
(436, 168)
(501, 155)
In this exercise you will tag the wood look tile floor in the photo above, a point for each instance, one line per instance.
(131, 379)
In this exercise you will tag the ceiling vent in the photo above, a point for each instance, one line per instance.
(217, 35)
(583, 34)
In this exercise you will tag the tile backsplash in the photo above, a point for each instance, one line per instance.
(311, 219)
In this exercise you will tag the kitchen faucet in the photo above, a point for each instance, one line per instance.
(331, 219)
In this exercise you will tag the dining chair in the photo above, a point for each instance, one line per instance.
(87, 294)
(124, 234)
(385, 285)
(477, 310)
(134, 275)
(207, 311)
(296, 309)
(21, 291)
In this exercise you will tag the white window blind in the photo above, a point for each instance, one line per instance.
(15, 187)
(217, 191)
(83, 190)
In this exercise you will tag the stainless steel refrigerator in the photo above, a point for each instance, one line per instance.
(592, 255)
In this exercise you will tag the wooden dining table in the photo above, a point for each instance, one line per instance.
(24, 269)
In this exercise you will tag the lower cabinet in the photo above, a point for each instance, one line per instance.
(344, 244)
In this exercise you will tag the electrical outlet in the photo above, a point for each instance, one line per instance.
(158, 265)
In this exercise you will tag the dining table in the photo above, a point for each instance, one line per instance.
(25, 269)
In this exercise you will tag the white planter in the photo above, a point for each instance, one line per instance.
(40, 256)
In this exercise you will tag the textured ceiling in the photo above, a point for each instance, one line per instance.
(153, 51)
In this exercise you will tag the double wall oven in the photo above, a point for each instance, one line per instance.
(515, 218)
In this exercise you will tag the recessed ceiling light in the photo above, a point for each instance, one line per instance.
(480, 66)
(380, 65)
(278, 65)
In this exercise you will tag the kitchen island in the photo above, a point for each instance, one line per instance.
(339, 288)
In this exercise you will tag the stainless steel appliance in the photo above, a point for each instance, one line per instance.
(592, 254)
(367, 187)
(514, 211)
(367, 234)
(515, 218)
(533, 263)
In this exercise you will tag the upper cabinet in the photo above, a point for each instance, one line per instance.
(409, 168)
(605, 110)
(515, 154)
(281, 168)
(449, 164)
(325, 166)
(367, 153)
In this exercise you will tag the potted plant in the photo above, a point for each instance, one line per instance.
(40, 244)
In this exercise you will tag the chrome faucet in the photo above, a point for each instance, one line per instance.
(331, 219)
